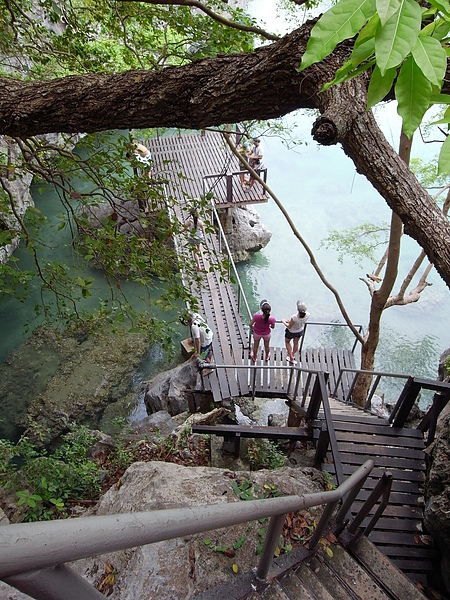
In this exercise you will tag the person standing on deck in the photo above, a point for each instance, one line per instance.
(201, 334)
(294, 331)
(244, 151)
(143, 155)
(262, 323)
(255, 160)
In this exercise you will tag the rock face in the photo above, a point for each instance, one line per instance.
(437, 509)
(246, 234)
(182, 568)
(167, 390)
(83, 379)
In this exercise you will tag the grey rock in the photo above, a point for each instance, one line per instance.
(169, 390)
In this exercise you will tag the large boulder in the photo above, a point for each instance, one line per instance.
(184, 567)
(169, 390)
(246, 234)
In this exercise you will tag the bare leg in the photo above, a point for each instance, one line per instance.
(267, 348)
(196, 258)
(254, 353)
(294, 352)
(287, 343)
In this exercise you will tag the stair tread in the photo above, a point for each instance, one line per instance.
(384, 571)
(294, 587)
(352, 577)
(313, 582)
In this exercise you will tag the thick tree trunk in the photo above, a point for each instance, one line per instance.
(229, 89)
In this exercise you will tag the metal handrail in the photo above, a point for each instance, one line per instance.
(379, 374)
(360, 328)
(382, 489)
(230, 258)
(30, 551)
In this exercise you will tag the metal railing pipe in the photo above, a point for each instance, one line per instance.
(349, 499)
(238, 281)
(53, 584)
(324, 520)
(28, 546)
(270, 544)
(383, 488)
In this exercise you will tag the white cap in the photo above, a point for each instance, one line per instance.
(301, 306)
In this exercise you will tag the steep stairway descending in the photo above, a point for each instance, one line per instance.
(400, 450)
(360, 572)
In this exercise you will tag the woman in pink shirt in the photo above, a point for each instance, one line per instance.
(262, 324)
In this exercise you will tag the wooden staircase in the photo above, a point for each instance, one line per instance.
(400, 451)
(333, 572)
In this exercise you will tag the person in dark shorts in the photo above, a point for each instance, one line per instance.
(294, 331)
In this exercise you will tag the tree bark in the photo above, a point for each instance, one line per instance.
(228, 89)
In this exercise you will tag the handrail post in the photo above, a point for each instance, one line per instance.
(302, 337)
(297, 382)
(351, 388)
(288, 391)
(306, 390)
(324, 520)
(349, 499)
(383, 488)
(368, 404)
(229, 180)
(270, 544)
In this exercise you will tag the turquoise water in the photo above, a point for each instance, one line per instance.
(321, 191)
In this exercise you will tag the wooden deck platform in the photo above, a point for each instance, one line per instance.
(207, 166)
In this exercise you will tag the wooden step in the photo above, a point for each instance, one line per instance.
(384, 571)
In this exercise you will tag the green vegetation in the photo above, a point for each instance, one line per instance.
(264, 454)
(48, 484)
(401, 45)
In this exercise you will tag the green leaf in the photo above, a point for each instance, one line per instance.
(413, 93)
(444, 158)
(239, 543)
(430, 56)
(438, 29)
(440, 99)
(441, 5)
(379, 86)
(386, 8)
(394, 40)
(341, 22)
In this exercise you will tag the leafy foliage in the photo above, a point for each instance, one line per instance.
(62, 38)
(397, 40)
(265, 454)
(54, 39)
(358, 242)
(47, 484)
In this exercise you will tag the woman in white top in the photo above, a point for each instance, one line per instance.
(294, 331)
(143, 155)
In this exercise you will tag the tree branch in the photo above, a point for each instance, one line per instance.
(219, 18)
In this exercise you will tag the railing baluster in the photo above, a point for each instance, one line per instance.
(270, 544)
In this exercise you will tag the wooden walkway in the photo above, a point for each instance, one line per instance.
(359, 435)
(194, 165)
